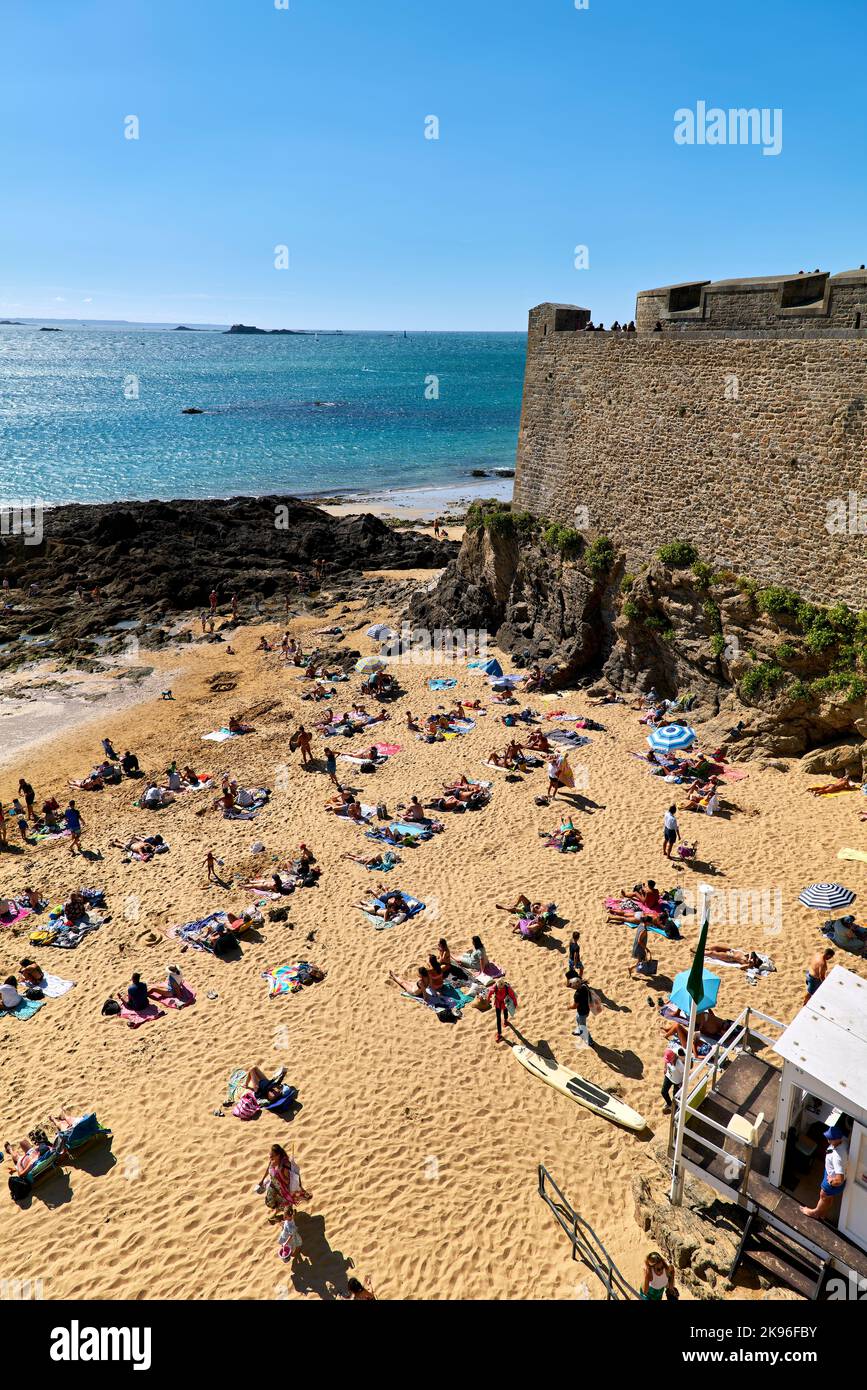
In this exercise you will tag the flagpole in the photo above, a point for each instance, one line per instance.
(677, 1175)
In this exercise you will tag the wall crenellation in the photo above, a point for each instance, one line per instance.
(742, 427)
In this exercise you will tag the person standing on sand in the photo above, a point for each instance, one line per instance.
(670, 831)
(575, 968)
(817, 970)
(72, 818)
(673, 1078)
(29, 798)
(210, 863)
(234, 607)
(203, 619)
(331, 765)
(501, 995)
(639, 948)
(581, 1005)
(300, 742)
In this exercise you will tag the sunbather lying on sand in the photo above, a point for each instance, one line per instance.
(734, 955)
(236, 727)
(143, 847)
(263, 1088)
(389, 906)
(843, 784)
(386, 860)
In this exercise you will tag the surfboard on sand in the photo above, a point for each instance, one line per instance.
(853, 854)
(574, 1086)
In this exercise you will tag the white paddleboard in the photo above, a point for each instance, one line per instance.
(574, 1086)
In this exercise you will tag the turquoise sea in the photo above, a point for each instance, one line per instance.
(93, 414)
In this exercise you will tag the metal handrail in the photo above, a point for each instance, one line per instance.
(586, 1242)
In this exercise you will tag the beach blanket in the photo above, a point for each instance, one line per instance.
(191, 932)
(441, 683)
(288, 979)
(247, 809)
(59, 933)
(859, 854)
(567, 738)
(367, 813)
(53, 986)
(555, 841)
(361, 759)
(17, 916)
(387, 750)
(186, 1000)
(413, 907)
(448, 1000)
(26, 1009)
(134, 1018)
(221, 735)
(633, 905)
(414, 829)
(463, 726)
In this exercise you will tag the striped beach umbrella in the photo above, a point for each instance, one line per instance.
(381, 632)
(826, 897)
(369, 665)
(669, 737)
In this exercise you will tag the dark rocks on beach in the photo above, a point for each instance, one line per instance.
(155, 559)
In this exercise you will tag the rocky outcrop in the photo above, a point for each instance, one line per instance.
(535, 604)
(771, 677)
(154, 559)
(772, 693)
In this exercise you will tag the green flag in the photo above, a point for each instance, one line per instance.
(694, 985)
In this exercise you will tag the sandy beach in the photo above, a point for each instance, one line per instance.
(419, 1142)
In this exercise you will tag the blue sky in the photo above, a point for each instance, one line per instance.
(305, 127)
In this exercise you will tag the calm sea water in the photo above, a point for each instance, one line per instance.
(94, 414)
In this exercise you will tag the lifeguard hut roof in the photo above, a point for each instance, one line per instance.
(828, 1039)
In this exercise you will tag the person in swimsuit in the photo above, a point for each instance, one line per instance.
(817, 971)
(658, 1278)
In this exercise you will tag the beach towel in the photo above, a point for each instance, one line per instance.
(221, 735)
(463, 726)
(567, 738)
(413, 907)
(367, 813)
(413, 828)
(17, 915)
(26, 1009)
(288, 979)
(859, 854)
(187, 997)
(53, 986)
(387, 750)
(134, 1018)
(441, 683)
(189, 932)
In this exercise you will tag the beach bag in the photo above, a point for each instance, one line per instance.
(278, 914)
(34, 993)
(382, 811)
(110, 1008)
(247, 1107)
(19, 1188)
(595, 1002)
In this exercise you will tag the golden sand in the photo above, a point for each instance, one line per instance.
(419, 1141)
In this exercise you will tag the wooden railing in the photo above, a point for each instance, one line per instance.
(701, 1080)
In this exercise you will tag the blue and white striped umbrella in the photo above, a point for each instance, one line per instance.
(669, 737)
(826, 897)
